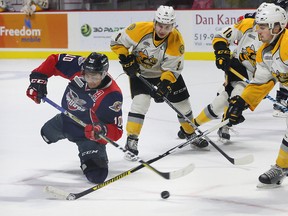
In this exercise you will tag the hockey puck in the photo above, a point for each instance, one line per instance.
(165, 194)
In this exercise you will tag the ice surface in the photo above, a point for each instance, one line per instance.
(214, 188)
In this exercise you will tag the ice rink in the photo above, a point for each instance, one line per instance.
(215, 188)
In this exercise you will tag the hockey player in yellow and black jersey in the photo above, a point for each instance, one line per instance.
(242, 60)
(272, 67)
(157, 53)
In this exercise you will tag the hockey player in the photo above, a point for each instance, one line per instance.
(31, 6)
(271, 58)
(282, 93)
(242, 60)
(157, 50)
(92, 96)
(6, 6)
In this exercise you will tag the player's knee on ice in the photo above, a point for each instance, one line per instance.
(95, 170)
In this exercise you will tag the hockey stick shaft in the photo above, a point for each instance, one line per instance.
(239, 161)
(285, 109)
(73, 196)
(166, 175)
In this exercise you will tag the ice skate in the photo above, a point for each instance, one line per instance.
(199, 143)
(273, 177)
(131, 146)
(279, 112)
(223, 134)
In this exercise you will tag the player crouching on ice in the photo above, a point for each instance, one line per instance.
(93, 97)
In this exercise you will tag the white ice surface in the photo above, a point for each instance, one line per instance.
(214, 188)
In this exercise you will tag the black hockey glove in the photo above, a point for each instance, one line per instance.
(163, 89)
(234, 112)
(223, 59)
(38, 87)
(281, 95)
(129, 64)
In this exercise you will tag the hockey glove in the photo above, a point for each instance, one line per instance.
(92, 131)
(282, 95)
(163, 89)
(234, 112)
(129, 64)
(223, 59)
(38, 87)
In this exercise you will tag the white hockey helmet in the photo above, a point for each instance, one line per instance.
(271, 14)
(165, 15)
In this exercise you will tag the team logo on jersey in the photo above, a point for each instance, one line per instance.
(132, 26)
(95, 96)
(281, 77)
(145, 60)
(116, 107)
(74, 103)
(248, 54)
(181, 49)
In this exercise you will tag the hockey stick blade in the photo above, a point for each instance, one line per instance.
(56, 192)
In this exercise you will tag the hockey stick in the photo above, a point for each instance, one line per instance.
(236, 161)
(232, 70)
(167, 175)
(61, 194)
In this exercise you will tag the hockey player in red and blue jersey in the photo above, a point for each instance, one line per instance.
(93, 97)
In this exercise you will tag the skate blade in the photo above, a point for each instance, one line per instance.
(207, 148)
(224, 141)
(129, 158)
(279, 114)
(268, 186)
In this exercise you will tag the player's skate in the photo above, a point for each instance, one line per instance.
(273, 177)
(132, 146)
(199, 143)
(279, 112)
(223, 134)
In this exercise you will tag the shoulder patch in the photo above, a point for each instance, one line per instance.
(131, 27)
(182, 49)
(116, 107)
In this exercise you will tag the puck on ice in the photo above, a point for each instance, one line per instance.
(165, 194)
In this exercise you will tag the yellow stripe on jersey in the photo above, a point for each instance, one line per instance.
(175, 44)
(168, 75)
(137, 30)
(245, 24)
(283, 47)
(120, 49)
(253, 94)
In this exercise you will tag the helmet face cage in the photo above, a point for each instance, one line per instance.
(96, 63)
(165, 15)
(272, 15)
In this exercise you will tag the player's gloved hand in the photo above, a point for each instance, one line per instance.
(234, 112)
(282, 94)
(129, 64)
(163, 89)
(92, 131)
(223, 59)
(38, 87)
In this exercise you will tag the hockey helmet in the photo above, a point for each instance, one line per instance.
(272, 15)
(165, 15)
(96, 63)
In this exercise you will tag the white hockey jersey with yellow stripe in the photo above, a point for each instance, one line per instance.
(247, 40)
(272, 66)
(154, 57)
